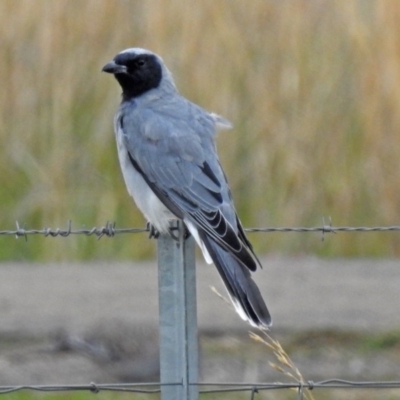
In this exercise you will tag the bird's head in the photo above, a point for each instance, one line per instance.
(138, 71)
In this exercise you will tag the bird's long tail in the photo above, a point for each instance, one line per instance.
(243, 291)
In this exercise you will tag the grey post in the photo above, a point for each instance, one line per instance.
(178, 316)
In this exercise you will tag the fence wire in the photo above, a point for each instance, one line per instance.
(208, 387)
(110, 230)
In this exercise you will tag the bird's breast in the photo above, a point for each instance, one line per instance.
(148, 203)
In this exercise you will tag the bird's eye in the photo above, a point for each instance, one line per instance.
(140, 62)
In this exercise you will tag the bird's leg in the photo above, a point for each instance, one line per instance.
(153, 232)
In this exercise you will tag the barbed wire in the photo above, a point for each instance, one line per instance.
(110, 230)
(209, 387)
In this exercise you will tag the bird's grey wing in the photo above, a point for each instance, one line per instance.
(177, 159)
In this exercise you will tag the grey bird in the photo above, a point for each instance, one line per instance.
(166, 148)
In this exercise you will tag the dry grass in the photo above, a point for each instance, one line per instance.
(312, 87)
(284, 363)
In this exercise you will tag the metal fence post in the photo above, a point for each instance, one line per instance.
(178, 316)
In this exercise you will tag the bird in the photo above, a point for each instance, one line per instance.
(167, 152)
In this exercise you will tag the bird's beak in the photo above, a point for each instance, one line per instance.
(113, 68)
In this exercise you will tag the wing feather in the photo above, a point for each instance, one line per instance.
(181, 167)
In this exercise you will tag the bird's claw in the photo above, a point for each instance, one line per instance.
(186, 233)
(153, 232)
(172, 233)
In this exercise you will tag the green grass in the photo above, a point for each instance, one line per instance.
(384, 341)
(311, 90)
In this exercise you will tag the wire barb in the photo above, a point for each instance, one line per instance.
(94, 388)
(327, 228)
(254, 390)
(20, 232)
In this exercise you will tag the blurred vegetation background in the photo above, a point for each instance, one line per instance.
(312, 87)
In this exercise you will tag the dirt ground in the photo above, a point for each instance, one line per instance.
(76, 323)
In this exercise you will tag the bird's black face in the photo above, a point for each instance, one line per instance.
(136, 73)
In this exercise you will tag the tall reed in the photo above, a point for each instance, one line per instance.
(312, 87)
